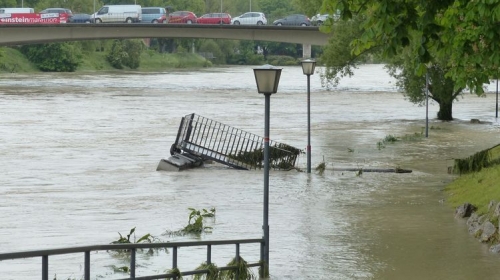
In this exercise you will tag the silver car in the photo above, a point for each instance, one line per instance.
(250, 18)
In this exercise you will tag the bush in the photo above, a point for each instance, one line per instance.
(125, 53)
(54, 57)
(282, 60)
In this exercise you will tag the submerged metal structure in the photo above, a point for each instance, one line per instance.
(200, 139)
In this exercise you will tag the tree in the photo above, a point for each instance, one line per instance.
(463, 31)
(308, 7)
(8, 3)
(54, 57)
(276, 9)
(441, 89)
(195, 6)
(340, 62)
(125, 53)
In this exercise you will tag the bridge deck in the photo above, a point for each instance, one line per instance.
(18, 34)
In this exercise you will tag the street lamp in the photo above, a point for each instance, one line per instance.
(267, 78)
(308, 66)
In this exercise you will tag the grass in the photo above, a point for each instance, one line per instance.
(477, 188)
(391, 139)
(12, 60)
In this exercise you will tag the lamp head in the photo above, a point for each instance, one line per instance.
(267, 78)
(308, 66)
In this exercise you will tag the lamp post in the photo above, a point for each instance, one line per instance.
(308, 66)
(496, 110)
(267, 78)
(427, 103)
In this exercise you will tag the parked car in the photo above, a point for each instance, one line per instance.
(250, 18)
(154, 15)
(293, 20)
(80, 18)
(118, 13)
(215, 18)
(182, 17)
(319, 19)
(59, 11)
(63, 14)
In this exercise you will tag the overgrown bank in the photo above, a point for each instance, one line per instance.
(13, 60)
(155, 54)
(476, 195)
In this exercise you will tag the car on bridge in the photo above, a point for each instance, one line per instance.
(250, 18)
(154, 15)
(215, 18)
(57, 11)
(80, 18)
(293, 20)
(182, 17)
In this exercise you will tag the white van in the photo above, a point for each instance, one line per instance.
(118, 13)
(17, 11)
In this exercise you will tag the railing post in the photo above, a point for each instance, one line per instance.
(87, 266)
(132, 263)
(174, 260)
(209, 254)
(45, 267)
(262, 263)
(237, 260)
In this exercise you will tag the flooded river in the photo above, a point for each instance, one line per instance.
(79, 153)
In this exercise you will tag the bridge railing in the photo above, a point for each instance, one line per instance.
(132, 248)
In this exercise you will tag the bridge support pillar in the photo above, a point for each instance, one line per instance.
(306, 51)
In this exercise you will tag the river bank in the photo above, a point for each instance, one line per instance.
(13, 61)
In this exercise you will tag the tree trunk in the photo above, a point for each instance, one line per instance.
(445, 111)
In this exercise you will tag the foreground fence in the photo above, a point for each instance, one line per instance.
(132, 248)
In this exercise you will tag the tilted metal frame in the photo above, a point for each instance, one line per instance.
(222, 143)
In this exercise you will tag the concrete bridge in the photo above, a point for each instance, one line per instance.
(19, 34)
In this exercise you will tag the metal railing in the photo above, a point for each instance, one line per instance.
(230, 146)
(132, 248)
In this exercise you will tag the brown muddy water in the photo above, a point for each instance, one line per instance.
(79, 153)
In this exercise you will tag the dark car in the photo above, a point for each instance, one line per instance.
(182, 17)
(215, 18)
(80, 18)
(293, 20)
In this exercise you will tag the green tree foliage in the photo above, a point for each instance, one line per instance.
(308, 7)
(337, 56)
(8, 3)
(134, 49)
(125, 53)
(54, 57)
(276, 9)
(76, 6)
(441, 88)
(210, 46)
(464, 32)
(195, 6)
(117, 55)
(340, 62)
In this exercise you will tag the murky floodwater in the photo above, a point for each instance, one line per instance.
(79, 152)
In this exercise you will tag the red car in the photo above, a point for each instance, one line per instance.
(215, 18)
(182, 17)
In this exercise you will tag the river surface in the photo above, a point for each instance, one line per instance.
(79, 153)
